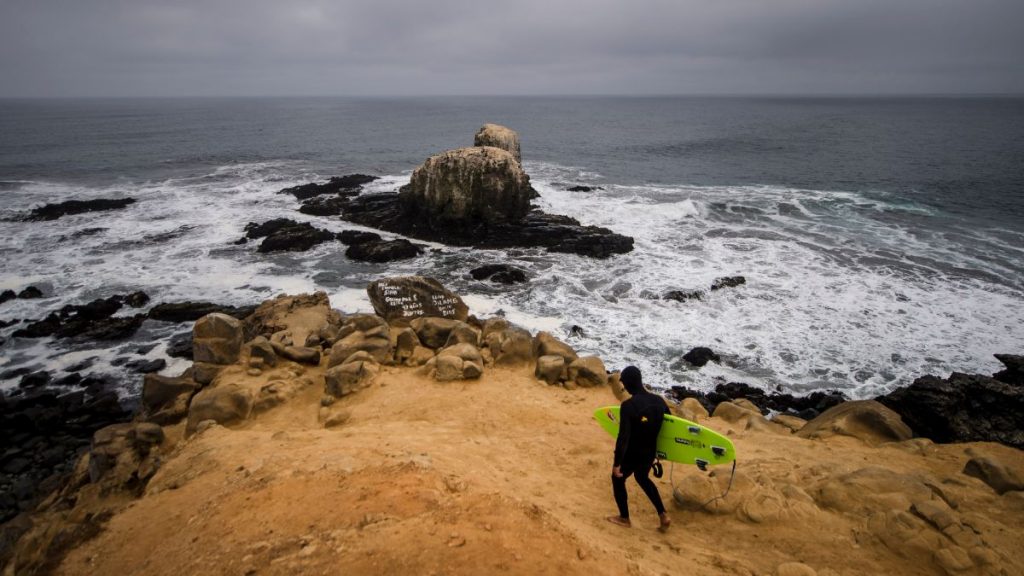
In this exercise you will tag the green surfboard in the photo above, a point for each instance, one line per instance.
(679, 440)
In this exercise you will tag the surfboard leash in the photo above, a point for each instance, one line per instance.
(721, 496)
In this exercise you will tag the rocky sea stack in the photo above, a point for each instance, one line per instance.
(479, 196)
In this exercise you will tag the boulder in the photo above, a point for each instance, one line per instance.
(497, 136)
(225, 405)
(510, 346)
(734, 413)
(700, 356)
(165, 400)
(468, 365)
(692, 410)
(261, 348)
(353, 237)
(122, 456)
(420, 356)
(7, 295)
(205, 372)
(448, 368)
(433, 332)
(961, 408)
(379, 347)
(93, 321)
(548, 345)
(349, 377)
(284, 235)
(994, 473)
(404, 342)
(384, 250)
(468, 188)
(728, 282)
(411, 297)
(367, 323)
(588, 371)
(30, 293)
(462, 333)
(683, 295)
(867, 420)
(217, 339)
(324, 206)
(550, 368)
(794, 423)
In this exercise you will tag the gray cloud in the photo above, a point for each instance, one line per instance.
(360, 47)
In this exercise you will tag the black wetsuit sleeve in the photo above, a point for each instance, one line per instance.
(625, 428)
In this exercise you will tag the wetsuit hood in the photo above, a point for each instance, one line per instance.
(631, 380)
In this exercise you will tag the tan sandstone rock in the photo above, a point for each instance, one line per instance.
(550, 368)
(499, 136)
(411, 297)
(867, 420)
(225, 405)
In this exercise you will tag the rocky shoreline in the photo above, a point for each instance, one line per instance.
(421, 325)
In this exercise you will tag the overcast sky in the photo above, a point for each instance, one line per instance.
(413, 47)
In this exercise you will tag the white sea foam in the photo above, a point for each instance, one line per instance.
(844, 290)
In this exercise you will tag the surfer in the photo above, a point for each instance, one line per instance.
(635, 447)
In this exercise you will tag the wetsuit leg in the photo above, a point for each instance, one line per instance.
(645, 482)
(619, 490)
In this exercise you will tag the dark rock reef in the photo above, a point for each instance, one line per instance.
(350, 184)
(55, 211)
(500, 273)
(94, 321)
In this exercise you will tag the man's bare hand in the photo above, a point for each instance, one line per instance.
(617, 471)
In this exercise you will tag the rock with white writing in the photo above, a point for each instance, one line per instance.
(409, 297)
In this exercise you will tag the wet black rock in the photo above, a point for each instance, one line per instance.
(1014, 372)
(7, 295)
(34, 380)
(336, 185)
(14, 373)
(72, 379)
(383, 250)
(143, 366)
(180, 346)
(500, 273)
(284, 235)
(728, 282)
(30, 293)
(55, 211)
(806, 407)
(192, 311)
(352, 237)
(93, 321)
(581, 188)
(682, 295)
(43, 433)
(7, 323)
(554, 232)
(700, 356)
(136, 299)
(324, 206)
(961, 408)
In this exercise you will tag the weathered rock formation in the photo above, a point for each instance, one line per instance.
(410, 297)
(496, 136)
(478, 196)
(94, 320)
(55, 211)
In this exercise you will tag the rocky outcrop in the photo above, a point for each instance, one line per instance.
(807, 407)
(55, 211)
(1014, 372)
(497, 136)
(411, 297)
(284, 235)
(93, 321)
(224, 405)
(350, 184)
(961, 408)
(458, 362)
(866, 420)
(216, 342)
(384, 250)
(190, 311)
(165, 400)
(728, 282)
(588, 371)
(479, 197)
(467, 189)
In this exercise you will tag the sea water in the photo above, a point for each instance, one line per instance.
(881, 239)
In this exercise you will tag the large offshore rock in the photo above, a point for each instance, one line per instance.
(409, 297)
(498, 136)
(468, 187)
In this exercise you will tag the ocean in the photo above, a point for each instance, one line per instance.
(881, 238)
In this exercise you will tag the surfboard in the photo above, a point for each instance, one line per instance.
(679, 440)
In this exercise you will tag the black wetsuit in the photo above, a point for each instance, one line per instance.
(635, 448)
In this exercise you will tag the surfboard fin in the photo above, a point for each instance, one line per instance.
(718, 451)
(702, 464)
(694, 429)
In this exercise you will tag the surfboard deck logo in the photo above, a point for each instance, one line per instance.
(679, 440)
